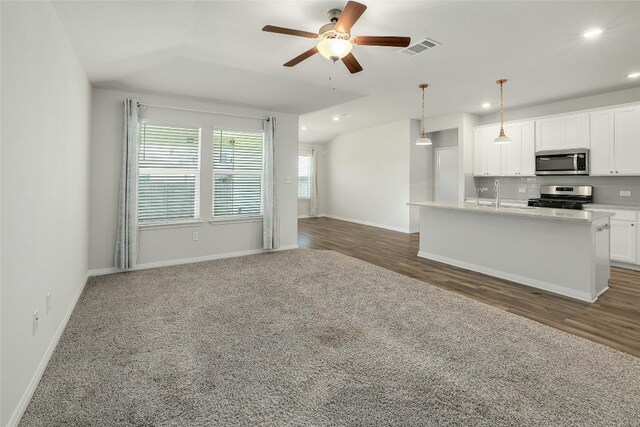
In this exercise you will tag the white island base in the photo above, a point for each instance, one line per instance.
(560, 251)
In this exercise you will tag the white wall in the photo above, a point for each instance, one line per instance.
(368, 176)
(161, 245)
(321, 153)
(46, 102)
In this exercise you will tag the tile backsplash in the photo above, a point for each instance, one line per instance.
(606, 189)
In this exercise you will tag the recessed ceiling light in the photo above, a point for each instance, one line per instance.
(634, 75)
(486, 105)
(304, 128)
(336, 118)
(592, 33)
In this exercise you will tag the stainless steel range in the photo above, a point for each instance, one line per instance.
(563, 196)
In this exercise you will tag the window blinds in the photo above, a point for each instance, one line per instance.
(237, 173)
(169, 174)
(304, 176)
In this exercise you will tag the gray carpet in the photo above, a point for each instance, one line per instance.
(317, 338)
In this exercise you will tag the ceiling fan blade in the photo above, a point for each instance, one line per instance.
(298, 59)
(351, 13)
(352, 63)
(391, 41)
(289, 31)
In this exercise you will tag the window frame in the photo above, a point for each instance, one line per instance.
(234, 218)
(176, 222)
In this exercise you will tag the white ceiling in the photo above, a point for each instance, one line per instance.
(216, 50)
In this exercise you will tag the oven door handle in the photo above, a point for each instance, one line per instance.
(575, 162)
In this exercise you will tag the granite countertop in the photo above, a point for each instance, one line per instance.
(522, 211)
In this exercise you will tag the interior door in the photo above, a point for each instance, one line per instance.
(447, 174)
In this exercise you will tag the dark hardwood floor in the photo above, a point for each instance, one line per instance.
(613, 320)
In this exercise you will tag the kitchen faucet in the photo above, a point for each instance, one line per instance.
(496, 188)
(478, 192)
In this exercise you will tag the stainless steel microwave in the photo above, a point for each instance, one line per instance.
(562, 162)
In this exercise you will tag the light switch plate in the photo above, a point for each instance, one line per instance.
(625, 193)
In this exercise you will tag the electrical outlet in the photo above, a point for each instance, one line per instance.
(48, 300)
(195, 236)
(522, 189)
(36, 317)
(625, 193)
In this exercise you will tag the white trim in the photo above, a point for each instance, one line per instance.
(414, 230)
(371, 224)
(232, 219)
(15, 418)
(171, 262)
(550, 116)
(625, 265)
(169, 224)
(539, 284)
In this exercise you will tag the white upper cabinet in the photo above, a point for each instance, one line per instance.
(486, 153)
(615, 141)
(512, 153)
(602, 143)
(515, 159)
(518, 158)
(626, 140)
(528, 149)
(558, 133)
(548, 134)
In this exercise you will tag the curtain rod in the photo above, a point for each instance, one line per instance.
(203, 111)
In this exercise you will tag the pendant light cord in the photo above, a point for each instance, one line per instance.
(422, 122)
(501, 108)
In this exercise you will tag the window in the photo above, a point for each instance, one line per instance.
(304, 176)
(169, 174)
(237, 173)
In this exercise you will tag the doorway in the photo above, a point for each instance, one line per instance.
(446, 160)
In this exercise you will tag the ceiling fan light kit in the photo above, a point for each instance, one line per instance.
(336, 41)
(502, 138)
(335, 48)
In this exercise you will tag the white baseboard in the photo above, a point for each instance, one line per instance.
(145, 266)
(371, 224)
(15, 418)
(545, 286)
(625, 265)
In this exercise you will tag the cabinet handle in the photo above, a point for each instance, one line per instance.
(616, 171)
(611, 172)
(603, 227)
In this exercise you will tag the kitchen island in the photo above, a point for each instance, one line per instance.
(558, 250)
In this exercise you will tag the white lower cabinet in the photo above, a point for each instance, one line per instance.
(623, 241)
(624, 235)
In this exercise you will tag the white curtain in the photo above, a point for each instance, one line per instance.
(270, 219)
(127, 234)
(313, 202)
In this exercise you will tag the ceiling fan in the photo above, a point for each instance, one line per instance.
(336, 40)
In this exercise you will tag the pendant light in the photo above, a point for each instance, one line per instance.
(424, 139)
(502, 138)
